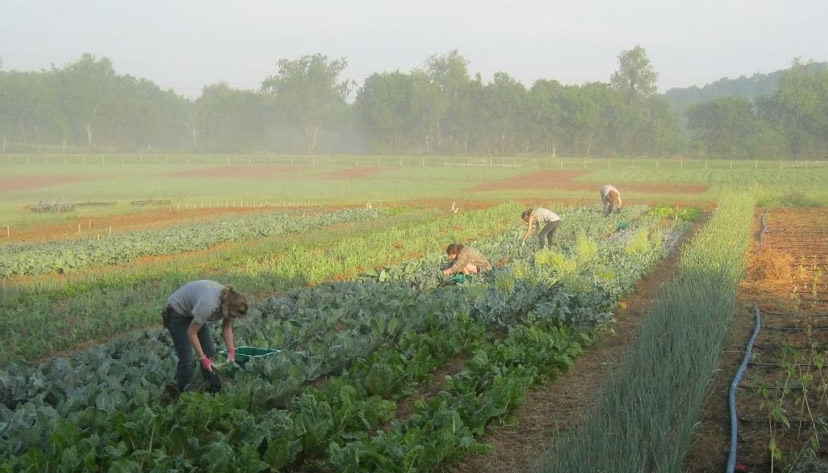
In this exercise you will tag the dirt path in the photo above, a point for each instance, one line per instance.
(562, 404)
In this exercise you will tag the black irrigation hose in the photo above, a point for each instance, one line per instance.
(734, 421)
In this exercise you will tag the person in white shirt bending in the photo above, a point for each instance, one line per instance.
(547, 220)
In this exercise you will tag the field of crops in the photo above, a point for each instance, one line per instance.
(384, 363)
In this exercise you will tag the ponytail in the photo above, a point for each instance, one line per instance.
(234, 301)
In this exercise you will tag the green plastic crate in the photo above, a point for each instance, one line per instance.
(460, 278)
(246, 353)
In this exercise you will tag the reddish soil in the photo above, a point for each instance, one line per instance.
(144, 220)
(563, 180)
(786, 279)
(11, 184)
(562, 404)
(352, 173)
(260, 171)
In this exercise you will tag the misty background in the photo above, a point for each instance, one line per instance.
(732, 79)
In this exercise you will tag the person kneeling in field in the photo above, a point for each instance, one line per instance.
(610, 197)
(549, 220)
(189, 311)
(465, 260)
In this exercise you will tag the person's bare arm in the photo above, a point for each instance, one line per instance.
(528, 228)
(192, 334)
(227, 333)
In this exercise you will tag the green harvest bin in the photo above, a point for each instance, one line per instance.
(460, 278)
(246, 353)
(623, 226)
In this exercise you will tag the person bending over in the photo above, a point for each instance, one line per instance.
(465, 260)
(547, 222)
(189, 311)
(610, 197)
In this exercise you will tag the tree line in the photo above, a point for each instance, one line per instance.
(306, 106)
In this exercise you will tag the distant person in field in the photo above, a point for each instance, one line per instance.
(189, 311)
(465, 260)
(547, 222)
(611, 198)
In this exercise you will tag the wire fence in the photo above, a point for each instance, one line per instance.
(344, 161)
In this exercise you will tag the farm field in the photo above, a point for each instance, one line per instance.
(383, 365)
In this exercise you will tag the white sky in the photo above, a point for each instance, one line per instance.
(186, 44)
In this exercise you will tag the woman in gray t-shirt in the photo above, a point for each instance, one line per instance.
(547, 220)
(189, 310)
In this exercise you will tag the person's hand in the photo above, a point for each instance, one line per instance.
(206, 363)
(231, 354)
(523, 243)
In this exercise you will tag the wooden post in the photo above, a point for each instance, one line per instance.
(78, 228)
(8, 232)
(110, 230)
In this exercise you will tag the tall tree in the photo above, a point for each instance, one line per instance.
(309, 92)
(635, 77)
(383, 109)
(801, 104)
(504, 102)
(450, 74)
(84, 86)
(545, 102)
(228, 119)
(723, 127)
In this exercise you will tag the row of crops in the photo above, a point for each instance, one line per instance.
(57, 312)
(350, 352)
(63, 256)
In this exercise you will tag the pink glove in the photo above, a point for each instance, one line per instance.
(231, 354)
(206, 363)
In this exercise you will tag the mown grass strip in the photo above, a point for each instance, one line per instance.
(645, 417)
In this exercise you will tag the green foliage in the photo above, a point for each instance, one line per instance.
(684, 333)
(64, 256)
(373, 341)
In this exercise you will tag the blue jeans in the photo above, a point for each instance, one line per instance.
(178, 325)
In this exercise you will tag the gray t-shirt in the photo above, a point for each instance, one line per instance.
(544, 216)
(199, 300)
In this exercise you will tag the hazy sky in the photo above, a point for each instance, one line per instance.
(186, 44)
